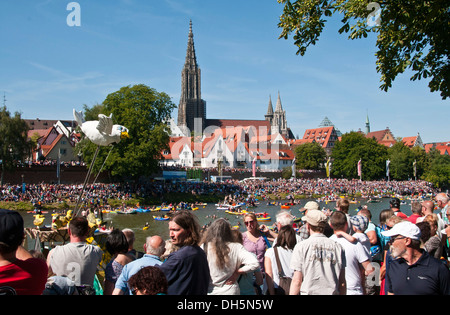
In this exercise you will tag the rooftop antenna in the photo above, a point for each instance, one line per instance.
(4, 99)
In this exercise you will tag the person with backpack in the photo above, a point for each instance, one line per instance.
(277, 260)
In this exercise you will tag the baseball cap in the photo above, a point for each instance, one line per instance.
(360, 222)
(395, 202)
(404, 228)
(314, 217)
(310, 205)
(11, 227)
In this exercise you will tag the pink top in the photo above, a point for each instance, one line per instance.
(258, 248)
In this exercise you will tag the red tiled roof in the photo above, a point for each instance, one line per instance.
(384, 137)
(320, 135)
(261, 126)
(409, 141)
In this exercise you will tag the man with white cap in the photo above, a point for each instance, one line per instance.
(318, 262)
(414, 272)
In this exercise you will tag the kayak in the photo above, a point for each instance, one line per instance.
(161, 219)
(264, 219)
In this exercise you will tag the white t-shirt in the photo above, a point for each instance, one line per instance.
(285, 260)
(239, 258)
(364, 240)
(355, 254)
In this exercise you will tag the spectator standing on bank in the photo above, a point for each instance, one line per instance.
(395, 206)
(414, 271)
(19, 270)
(154, 248)
(76, 260)
(186, 269)
(318, 262)
(227, 259)
(357, 257)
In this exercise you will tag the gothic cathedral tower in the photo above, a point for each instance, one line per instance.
(191, 107)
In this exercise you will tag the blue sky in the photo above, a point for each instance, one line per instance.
(48, 68)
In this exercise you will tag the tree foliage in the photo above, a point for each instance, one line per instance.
(353, 147)
(438, 169)
(310, 156)
(401, 157)
(14, 143)
(411, 34)
(144, 111)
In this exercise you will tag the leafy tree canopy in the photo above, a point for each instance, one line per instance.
(353, 147)
(310, 156)
(144, 111)
(14, 143)
(411, 34)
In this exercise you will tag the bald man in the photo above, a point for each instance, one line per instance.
(154, 248)
(428, 208)
(442, 203)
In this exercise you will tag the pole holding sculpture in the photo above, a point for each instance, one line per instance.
(101, 132)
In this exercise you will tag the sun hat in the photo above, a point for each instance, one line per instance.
(404, 228)
(314, 217)
(310, 205)
(360, 222)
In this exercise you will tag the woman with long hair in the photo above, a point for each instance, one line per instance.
(284, 246)
(227, 259)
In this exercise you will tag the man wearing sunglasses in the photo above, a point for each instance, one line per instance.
(414, 271)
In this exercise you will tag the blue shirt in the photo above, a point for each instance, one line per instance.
(132, 268)
(428, 276)
(187, 271)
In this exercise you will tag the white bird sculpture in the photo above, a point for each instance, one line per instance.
(101, 132)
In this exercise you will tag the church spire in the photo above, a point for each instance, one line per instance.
(279, 107)
(269, 114)
(191, 58)
(367, 123)
(270, 108)
(191, 105)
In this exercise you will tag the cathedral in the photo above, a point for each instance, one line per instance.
(192, 108)
(198, 141)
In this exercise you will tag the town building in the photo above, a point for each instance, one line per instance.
(197, 141)
(55, 140)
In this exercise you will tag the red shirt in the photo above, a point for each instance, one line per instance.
(413, 218)
(27, 277)
(401, 215)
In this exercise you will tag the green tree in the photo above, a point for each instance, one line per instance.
(401, 167)
(144, 111)
(438, 170)
(411, 34)
(310, 156)
(353, 147)
(14, 143)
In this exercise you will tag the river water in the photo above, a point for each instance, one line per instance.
(208, 213)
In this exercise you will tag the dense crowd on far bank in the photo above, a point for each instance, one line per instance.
(263, 190)
(331, 253)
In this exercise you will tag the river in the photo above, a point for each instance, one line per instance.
(208, 213)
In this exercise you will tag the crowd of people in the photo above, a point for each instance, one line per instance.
(326, 253)
(263, 190)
